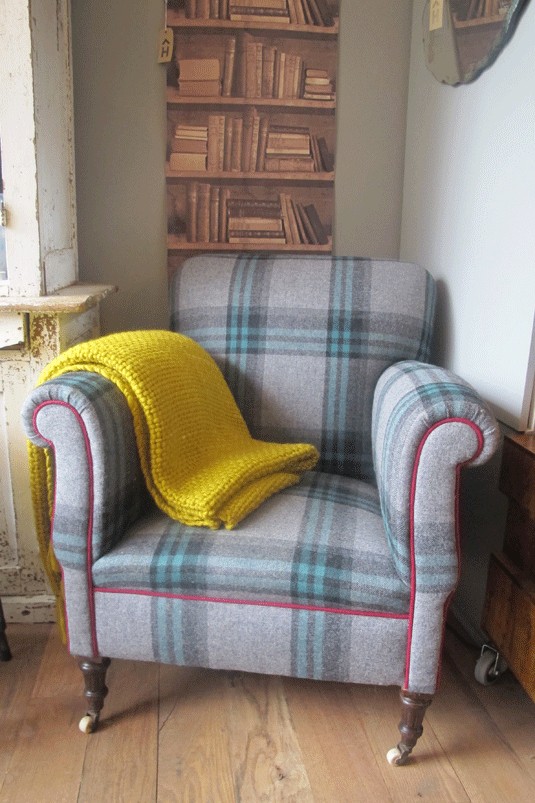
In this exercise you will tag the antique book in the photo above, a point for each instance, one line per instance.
(203, 9)
(187, 161)
(181, 145)
(203, 213)
(327, 157)
(223, 199)
(289, 164)
(199, 69)
(214, 9)
(285, 219)
(318, 96)
(247, 138)
(223, 9)
(317, 225)
(191, 131)
(292, 221)
(195, 89)
(263, 130)
(214, 214)
(191, 8)
(254, 223)
(213, 147)
(228, 66)
(191, 211)
(307, 225)
(268, 70)
(297, 217)
(256, 238)
(325, 11)
(237, 143)
(227, 155)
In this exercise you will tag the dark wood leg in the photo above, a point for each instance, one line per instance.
(5, 652)
(95, 690)
(413, 711)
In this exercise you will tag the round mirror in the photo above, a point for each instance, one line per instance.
(464, 37)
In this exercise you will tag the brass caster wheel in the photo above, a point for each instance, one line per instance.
(88, 724)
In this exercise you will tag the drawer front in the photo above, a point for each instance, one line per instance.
(517, 478)
(509, 618)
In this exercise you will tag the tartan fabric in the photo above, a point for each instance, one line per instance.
(252, 638)
(410, 399)
(112, 483)
(302, 341)
(297, 548)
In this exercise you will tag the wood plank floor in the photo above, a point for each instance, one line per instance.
(194, 735)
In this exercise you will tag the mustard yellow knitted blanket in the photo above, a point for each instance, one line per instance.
(200, 463)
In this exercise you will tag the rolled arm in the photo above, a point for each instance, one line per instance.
(426, 424)
(85, 422)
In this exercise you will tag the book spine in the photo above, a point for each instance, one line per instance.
(203, 214)
(315, 153)
(203, 9)
(299, 12)
(292, 12)
(275, 164)
(292, 221)
(214, 214)
(317, 225)
(255, 133)
(214, 9)
(248, 124)
(212, 161)
(250, 71)
(327, 158)
(268, 65)
(191, 212)
(297, 217)
(228, 69)
(223, 200)
(259, 58)
(228, 144)
(325, 11)
(221, 142)
(191, 9)
(255, 223)
(187, 161)
(262, 140)
(223, 9)
(307, 226)
(237, 144)
(285, 218)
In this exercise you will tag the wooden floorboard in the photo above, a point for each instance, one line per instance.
(180, 734)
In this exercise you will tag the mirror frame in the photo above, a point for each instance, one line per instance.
(445, 36)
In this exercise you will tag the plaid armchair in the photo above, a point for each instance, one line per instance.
(346, 576)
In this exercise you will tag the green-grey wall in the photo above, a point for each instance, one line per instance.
(119, 98)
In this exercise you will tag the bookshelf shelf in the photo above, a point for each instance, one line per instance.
(234, 176)
(478, 22)
(247, 165)
(281, 104)
(175, 243)
(176, 20)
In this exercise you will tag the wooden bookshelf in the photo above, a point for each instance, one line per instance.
(305, 195)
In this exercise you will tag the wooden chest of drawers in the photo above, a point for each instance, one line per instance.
(509, 612)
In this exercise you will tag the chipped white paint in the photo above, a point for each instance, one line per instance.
(36, 322)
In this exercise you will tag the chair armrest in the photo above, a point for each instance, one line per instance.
(98, 485)
(427, 423)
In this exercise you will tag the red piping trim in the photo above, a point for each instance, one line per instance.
(261, 603)
(89, 550)
(414, 478)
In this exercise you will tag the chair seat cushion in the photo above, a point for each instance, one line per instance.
(321, 544)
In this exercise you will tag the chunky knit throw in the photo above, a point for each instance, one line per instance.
(199, 461)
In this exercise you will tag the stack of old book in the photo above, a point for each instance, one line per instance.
(199, 77)
(189, 147)
(302, 224)
(298, 12)
(259, 11)
(318, 85)
(254, 221)
(288, 150)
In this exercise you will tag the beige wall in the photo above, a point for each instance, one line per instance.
(119, 94)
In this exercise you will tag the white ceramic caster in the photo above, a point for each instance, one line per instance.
(393, 756)
(87, 724)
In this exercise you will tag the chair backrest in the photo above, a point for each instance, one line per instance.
(302, 341)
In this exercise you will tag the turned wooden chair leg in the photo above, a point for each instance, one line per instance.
(5, 652)
(413, 711)
(94, 673)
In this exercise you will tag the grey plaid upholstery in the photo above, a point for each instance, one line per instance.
(302, 341)
(346, 576)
